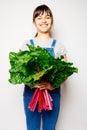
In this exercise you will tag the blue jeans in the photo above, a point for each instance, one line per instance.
(49, 118)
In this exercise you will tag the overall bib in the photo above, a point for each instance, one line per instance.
(49, 118)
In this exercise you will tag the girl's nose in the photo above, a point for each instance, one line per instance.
(43, 19)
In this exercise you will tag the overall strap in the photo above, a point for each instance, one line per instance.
(53, 43)
(32, 42)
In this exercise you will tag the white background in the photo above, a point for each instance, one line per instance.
(70, 26)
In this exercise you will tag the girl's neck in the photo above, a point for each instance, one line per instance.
(43, 37)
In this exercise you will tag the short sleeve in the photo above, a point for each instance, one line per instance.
(60, 49)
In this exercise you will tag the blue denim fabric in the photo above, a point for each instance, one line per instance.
(49, 118)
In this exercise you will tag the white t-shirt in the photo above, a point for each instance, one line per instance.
(59, 48)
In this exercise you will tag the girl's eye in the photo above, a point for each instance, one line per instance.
(48, 17)
(39, 18)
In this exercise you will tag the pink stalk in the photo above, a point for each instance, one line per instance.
(34, 100)
(46, 103)
(48, 100)
(43, 98)
(40, 101)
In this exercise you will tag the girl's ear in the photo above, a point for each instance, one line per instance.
(34, 24)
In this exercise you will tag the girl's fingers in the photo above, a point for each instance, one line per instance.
(37, 86)
(44, 85)
(42, 88)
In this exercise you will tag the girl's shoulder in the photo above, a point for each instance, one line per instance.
(58, 42)
(24, 44)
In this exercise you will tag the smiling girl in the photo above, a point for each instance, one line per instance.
(43, 21)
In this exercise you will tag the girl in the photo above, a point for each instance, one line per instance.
(43, 21)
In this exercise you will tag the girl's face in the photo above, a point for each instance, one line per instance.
(43, 23)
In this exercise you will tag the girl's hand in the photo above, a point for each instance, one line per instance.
(45, 85)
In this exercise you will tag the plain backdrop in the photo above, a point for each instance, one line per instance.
(70, 26)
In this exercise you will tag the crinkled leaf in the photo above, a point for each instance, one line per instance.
(29, 67)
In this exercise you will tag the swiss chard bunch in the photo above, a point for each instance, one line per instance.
(29, 67)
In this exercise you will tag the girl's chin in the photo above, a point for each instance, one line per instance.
(44, 30)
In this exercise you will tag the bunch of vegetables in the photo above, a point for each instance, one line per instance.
(31, 66)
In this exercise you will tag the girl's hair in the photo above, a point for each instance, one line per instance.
(40, 10)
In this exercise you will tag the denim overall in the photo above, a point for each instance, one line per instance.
(49, 118)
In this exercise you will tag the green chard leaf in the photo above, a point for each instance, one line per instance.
(29, 67)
